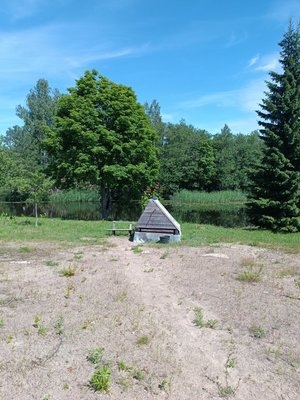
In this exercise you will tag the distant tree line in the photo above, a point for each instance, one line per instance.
(98, 135)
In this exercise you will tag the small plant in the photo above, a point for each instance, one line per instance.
(124, 382)
(163, 385)
(1, 323)
(59, 326)
(41, 329)
(230, 363)
(37, 321)
(122, 366)
(85, 324)
(290, 271)
(251, 275)
(164, 255)
(138, 374)
(137, 249)
(297, 283)
(68, 272)
(95, 356)
(149, 270)
(225, 389)
(143, 340)
(25, 249)
(51, 263)
(257, 331)
(211, 323)
(100, 380)
(198, 319)
(68, 291)
(200, 322)
(9, 338)
(121, 296)
(78, 256)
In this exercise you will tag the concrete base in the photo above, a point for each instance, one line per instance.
(143, 237)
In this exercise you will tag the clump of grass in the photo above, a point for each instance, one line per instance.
(200, 322)
(59, 325)
(51, 263)
(41, 329)
(68, 271)
(290, 271)
(1, 323)
(164, 255)
(25, 249)
(251, 274)
(122, 366)
(137, 249)
(95, 356)
(143, 340)
(100, 380)
(257, 331)
(122, 296)
(164, 385)
(138, 374)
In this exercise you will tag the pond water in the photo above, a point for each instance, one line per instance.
(234, 216)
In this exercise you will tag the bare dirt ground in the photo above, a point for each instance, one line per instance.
(139, 306)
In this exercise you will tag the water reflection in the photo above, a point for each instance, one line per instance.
(89, 211)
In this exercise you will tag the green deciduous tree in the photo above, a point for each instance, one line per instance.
(103, 137)
(186, 159)
(274, 202)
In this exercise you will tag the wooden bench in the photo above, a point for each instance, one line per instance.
(114, 229)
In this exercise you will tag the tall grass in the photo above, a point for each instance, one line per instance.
(75, 195)
(223, 197)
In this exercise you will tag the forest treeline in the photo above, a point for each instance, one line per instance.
(186, 157)
(99, 136)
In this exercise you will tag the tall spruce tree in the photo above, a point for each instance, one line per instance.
(274, 201)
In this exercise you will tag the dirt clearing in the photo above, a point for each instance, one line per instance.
(158, 322)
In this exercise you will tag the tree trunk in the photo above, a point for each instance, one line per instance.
(36, 213)
(105, 202)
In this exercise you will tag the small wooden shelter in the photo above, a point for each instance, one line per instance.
(156, 224)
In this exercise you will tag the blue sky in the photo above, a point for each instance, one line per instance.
(205, 61)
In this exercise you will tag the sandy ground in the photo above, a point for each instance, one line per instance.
(138, 305)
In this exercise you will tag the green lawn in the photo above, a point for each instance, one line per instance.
(71, 231)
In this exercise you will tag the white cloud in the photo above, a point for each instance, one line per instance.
(236, 39)
(42, 49)
(246, 99)
(253, 60)
(269, 62)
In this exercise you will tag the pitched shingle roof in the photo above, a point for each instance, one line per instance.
(156, 216)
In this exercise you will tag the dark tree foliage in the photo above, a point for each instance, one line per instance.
(39, 113)
(186, 159)
(274, 202)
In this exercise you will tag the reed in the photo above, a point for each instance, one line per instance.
(75, 195)
(225, 197)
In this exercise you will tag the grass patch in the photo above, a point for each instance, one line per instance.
(143, 340)
(95, 356)
(100, 380)
(257, 331)
(251, 274)
(291, 271)
(75, 232)
(200, 322)
(68, 271)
